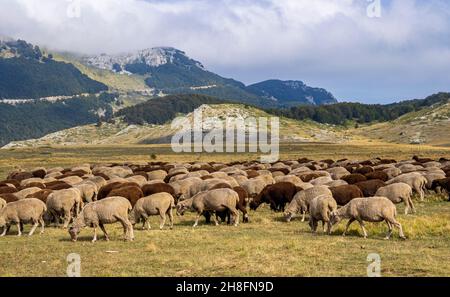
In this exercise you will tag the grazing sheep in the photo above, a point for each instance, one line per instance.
(397, 193)
(8, 190)
(106, 211)
(157, 204)
(277, 195)
(300, 202)
(352, 179)
(150, 189)
(392, 172)
(25, 192)
(9, 197)
(344, 194)
(374, 209)
(370, 187)
(216, 200)
(156, 174)
(41, 195)
(443, 183)
(132, 193)
(431, 177)
(106, 189)
(381, 175)
(363, 170)
(320, 209)
(61, 204)
(338, 172)
(23, 212)
(254, 186)
(88, 191)
(57, 185)
(415, 180)
(320, 181)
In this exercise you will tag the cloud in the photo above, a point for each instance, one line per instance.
(333, 44)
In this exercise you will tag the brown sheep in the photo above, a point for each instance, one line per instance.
(57, 185)
(9, 197)
(443, 183)
(34, 184)
(344, 194)
(364, 170)
(352, 179)
(277, 195)
(7, 190)
(381, 175)
(106, 189)
(370, 187)
(41, 173)
(422, 160)
(132, 193)
(309, 177)
(20, 176)
(41, 195)
(252, 173)
(7, 182)
(151, 189)
(102, 175)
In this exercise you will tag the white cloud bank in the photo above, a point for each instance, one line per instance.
(328, 43)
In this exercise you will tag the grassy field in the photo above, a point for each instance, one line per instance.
(267, 246)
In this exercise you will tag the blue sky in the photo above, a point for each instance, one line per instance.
(403, 54)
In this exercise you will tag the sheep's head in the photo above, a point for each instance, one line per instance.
(288, 215)
(74, 231)
(335, 218)
(181, 208)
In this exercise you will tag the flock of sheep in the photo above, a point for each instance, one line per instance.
(95, 195)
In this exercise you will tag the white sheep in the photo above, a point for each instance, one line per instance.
(301, 200)
(20, 212)
(320, 209)
(61, 204)
(397, 193)
(415, 180)
(372, 209)
(106, 211)
(157, 204)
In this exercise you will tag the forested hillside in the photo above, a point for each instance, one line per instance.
(36, 119)
(340, 113)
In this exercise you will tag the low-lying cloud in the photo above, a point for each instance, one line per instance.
(333, 44)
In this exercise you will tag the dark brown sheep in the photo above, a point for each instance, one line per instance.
(252, 173)
(422, 160)
(387, 161)
(381, 175)
(277, 195)
(344, 194)
(284, 170)
(7, 190)
(205, 177)
(354, 178)
(106, 189)
(20, 176)
(9, 197)
(13, 182)
(34, 184)
(151, 189)
(132, 193)
(363, 170)
(328, 161)
(309, 177)
(370, 187)
(41, 195)
(57, 185)
(443, 183)
(41, 173)
(78, 173)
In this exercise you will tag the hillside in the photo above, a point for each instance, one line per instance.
(430, 125)
(120, 132)
(26, 73)
(38, 118)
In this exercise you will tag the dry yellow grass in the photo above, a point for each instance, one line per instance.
(267, 246)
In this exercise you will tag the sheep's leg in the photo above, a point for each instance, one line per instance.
(127, 228)
(102, 227)
(235, 214)
(94, 239)
(361, 223)
(146, 222)
(67, 218)
(5, 229)
(36, 224)
(323, 227)
(303, 215)
(19, 231)
(162, 220)
(328, 227)
(170, 213)
(348, 225)
(388, 235)
(41, 220)
(214, 217)
(196, 219)
(400, 229)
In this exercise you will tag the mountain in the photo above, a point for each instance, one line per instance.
(26, 73)
(170, 71)
(291, 93)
